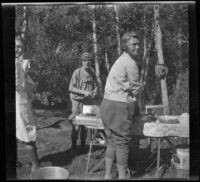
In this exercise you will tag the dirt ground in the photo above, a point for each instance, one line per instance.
(53, 143)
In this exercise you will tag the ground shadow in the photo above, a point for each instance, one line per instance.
(59, 159)
(146, 161)
(55, 125)
(66, 157)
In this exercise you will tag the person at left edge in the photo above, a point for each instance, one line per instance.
(25, 123)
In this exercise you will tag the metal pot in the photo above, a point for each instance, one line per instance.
(50, 173)
(89, 109)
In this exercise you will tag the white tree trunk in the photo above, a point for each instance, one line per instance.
(97, 68)
(116, 8)
(146, 56)
(107, 62)
(158, 44)
(143, 61)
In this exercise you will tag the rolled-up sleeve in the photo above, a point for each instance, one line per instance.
(133, 77)
(73, 82)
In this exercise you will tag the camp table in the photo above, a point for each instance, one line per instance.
(92, 123)
(155, 130)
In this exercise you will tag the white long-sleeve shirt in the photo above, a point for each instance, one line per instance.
(123, 75)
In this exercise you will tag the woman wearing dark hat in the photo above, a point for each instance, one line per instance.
(25, 123)
(119, 105)
(83, 91)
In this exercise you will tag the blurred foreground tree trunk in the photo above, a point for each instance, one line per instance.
(158, 44)
(25, 23)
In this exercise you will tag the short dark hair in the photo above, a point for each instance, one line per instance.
(126, 37)
(86, 55)
(20, 38)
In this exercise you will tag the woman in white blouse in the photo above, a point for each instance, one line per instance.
(25, 124)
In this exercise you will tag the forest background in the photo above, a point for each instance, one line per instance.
(58, 35)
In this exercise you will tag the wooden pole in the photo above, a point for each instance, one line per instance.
(158, 44)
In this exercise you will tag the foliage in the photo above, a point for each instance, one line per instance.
(179, 102)
(72, 25)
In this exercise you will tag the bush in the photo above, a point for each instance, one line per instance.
(46, 98)
(179, 100)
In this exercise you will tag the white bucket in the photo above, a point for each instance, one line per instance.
(184, 157)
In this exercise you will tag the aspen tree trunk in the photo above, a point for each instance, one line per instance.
(25, 22)
(147, 58)
(116, 8)
(107, 62)
(179, 66)
(147, 44)
(158, 44)
(143, 60)
(97, 68)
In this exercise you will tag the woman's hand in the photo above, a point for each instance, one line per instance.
(136, 89)
(87, 94)
(94, 93)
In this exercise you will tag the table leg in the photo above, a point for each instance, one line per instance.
(102, 135)
(150, 165)
(98, 164)
(89, 154)
(158, 158)
(101, 153)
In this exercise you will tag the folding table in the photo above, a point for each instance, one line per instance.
(163, 130)
(92, 123)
